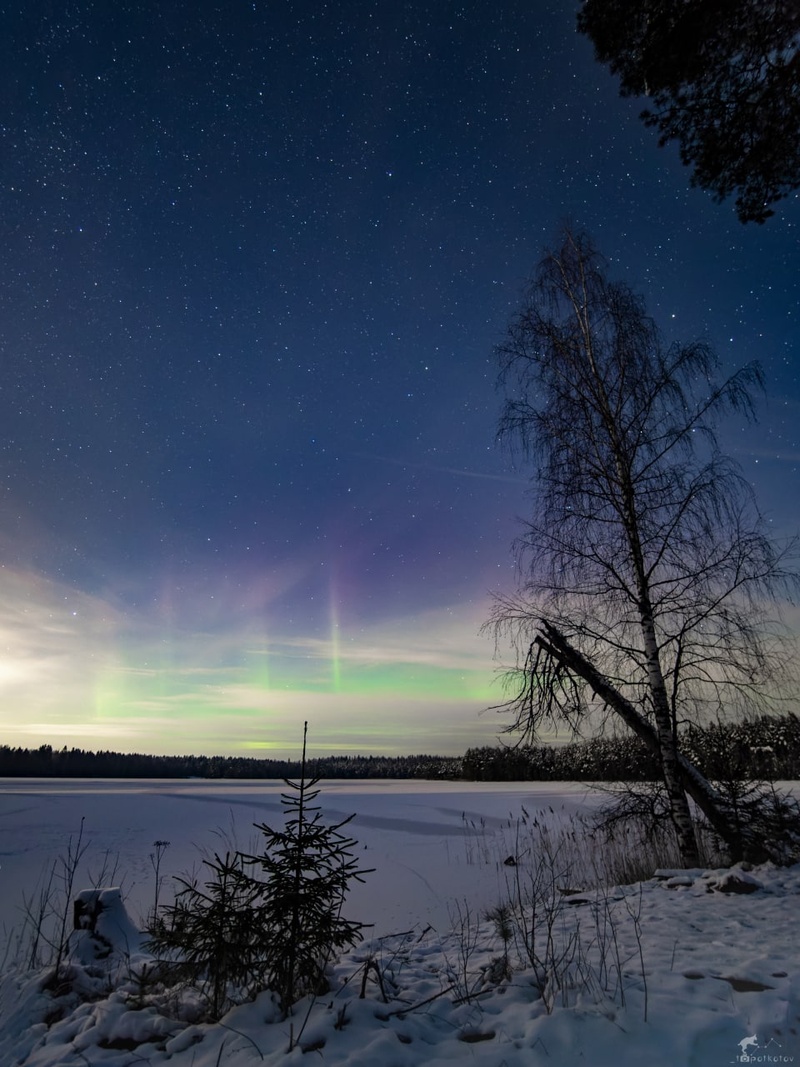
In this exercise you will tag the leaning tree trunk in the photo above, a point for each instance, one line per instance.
(741, 843)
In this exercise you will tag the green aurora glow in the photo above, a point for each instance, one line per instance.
(80, 674)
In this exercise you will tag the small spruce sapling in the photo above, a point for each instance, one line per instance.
(272, 921)
(307, 867)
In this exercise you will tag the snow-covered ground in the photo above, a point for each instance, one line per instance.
(675, 970)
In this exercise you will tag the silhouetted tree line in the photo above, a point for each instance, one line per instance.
(49, 762)
(762, 748)
(597, 760)
(766, 747)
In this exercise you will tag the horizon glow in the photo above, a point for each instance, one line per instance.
(107, 680)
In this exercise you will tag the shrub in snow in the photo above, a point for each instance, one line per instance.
(211, 936)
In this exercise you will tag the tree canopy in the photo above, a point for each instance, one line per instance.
(724, 80)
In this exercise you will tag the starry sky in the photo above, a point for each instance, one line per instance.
(255, 257)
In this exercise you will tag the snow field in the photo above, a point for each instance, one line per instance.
(674, 970)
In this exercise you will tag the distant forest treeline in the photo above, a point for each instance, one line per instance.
(767, 747)
(763, 748)
(49, 762)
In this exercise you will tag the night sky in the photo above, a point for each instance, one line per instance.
(255, 258)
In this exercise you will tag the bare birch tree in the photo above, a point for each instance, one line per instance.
(647, 568)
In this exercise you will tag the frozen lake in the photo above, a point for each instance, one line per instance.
(432, 843)
(676, 972)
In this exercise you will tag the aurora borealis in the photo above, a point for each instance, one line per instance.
(255, 258)
(86, 672)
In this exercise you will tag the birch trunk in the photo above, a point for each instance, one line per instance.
(667, 743)
(621, 491)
